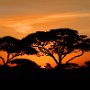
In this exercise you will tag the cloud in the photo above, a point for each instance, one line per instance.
(26, 26)
(8, 31)
(21, 27)
(54, 17)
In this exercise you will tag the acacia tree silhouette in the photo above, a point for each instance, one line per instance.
(61, 41)
(14, 48)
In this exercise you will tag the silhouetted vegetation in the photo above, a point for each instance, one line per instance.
(60, 42)
(14, 48)
(25, 63)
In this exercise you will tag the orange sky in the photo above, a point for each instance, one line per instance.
(21, 17)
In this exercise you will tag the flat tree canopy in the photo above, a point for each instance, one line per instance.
(61, 41)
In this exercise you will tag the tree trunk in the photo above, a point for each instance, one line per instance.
(60, 65)
(59, 59)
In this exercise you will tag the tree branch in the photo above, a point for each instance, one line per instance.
(49, 53)
(64, 56)
(75, 57)
(13, 57)
(2, 60)
(54, 59)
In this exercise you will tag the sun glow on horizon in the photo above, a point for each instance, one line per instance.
(27, 24)
(19, 18)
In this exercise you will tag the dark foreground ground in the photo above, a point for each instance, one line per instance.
(41, 74)
(44, 78)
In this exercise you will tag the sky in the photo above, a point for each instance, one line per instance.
(18, 18)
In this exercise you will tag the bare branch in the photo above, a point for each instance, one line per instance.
(2, 60)
(13, 57)
(75, 57)
(64, 56)
(51, 55)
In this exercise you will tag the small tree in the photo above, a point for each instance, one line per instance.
(59, 41)
(25, 63)
(48, 66)
(87, 63)
(14, 48)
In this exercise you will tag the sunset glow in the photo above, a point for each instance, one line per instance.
(21, 27)
(22, 17)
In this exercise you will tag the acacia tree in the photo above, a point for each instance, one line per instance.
(59, 41)
(14, 48)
